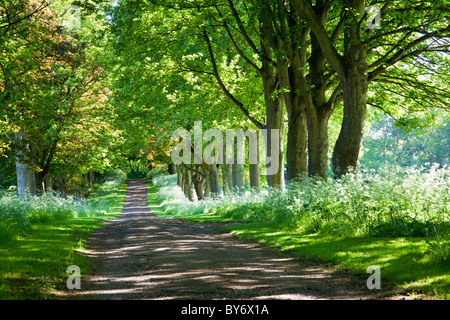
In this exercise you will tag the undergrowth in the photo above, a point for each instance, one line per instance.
(18, 216)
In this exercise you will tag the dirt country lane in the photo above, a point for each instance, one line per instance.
(140, 256)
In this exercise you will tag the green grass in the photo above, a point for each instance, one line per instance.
(34, 265)
(405, 262)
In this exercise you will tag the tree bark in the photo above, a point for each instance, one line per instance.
(348, 144)
(318, 144)
(26, 180)
(289, 43)
(199, 190)
(91, 177)
(214, 179)
(352, 70)
(171, 168)
(297, 135)
(274, 117)
(237, 169)
(229, 176)
(198, 180)
(183, 180)
(227, 180)
(238, 177)
(178, 175)
(253, 170)
(297, 143)
(354, 82)
(318, 110)
(189, 190)
(26, 177)
(273, 101)
(225, 189)
(40, 181)
(207, 172)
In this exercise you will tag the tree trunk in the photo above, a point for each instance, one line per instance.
(254, 177)
(352, 71)
(253, 168)
(49, 184)
(354, 84)
(91, 178)
(171, 168)
(26, 178)
(229, 177)
(227, 186)
(207, 173)
(189, 190)
(297, 142)
(290, 70)
(215, 180)
(274, 143)
(348, 144)
(292, 78)
(274, 103)
(178, 175)
(238, 175)
(318, 110)
(198, 180)
(223, 169)
(182, 180)
(40, 181)
(199, 190)
(318, 143)
(237, 170)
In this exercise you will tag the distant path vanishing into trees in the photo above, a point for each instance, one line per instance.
(141, 256)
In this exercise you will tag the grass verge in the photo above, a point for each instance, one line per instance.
(34, 265)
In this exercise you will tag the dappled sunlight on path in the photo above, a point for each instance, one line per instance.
(140, 256)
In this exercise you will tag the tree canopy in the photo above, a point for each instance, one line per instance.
(90, 85)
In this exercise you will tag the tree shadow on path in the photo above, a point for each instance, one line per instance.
(141, 256)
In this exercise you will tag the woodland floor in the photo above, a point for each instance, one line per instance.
(141, 256)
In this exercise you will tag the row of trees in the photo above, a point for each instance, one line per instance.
(74, 101)
(285, 65)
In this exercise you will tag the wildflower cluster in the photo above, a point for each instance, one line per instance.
(396, 202)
